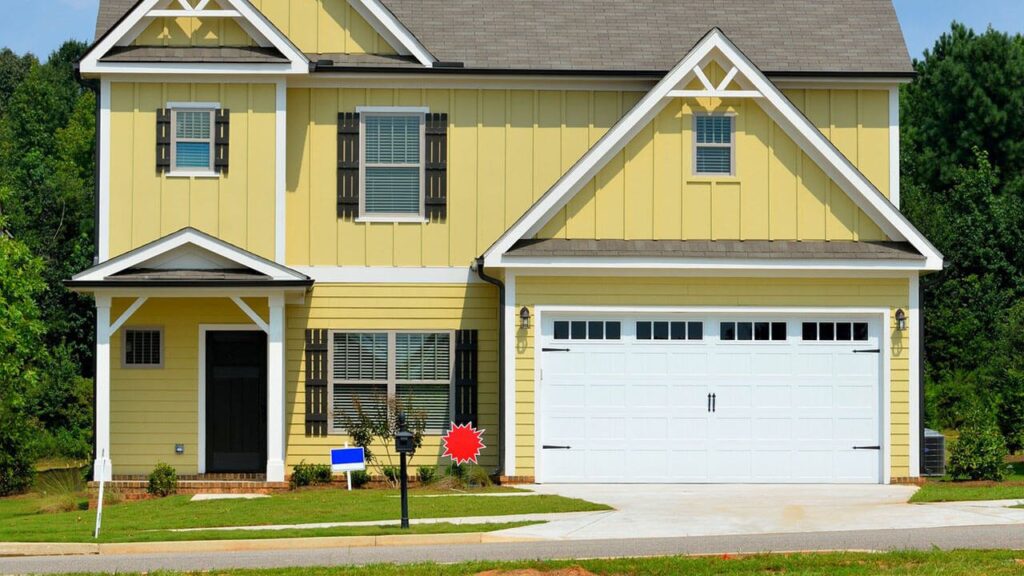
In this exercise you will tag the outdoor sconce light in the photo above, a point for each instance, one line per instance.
(524, 318)
(179, 449)
(901, 320)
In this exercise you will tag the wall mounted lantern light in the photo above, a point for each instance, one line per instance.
(524, 318)
(901, 320)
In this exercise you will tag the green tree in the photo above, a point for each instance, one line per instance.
(13, 69)
(21, 333)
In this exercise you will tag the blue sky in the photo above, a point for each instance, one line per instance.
(40, 26)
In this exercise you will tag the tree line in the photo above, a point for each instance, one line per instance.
(963, 186)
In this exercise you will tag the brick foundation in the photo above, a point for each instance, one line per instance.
(513, 480)
(908, 481)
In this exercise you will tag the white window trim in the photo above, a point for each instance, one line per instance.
(420, 114)
(186, 171)
(391, 384)
(731, 146)
(124, 347)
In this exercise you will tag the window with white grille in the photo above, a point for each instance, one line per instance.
(714, 145)
(412, 368)
(143, 348)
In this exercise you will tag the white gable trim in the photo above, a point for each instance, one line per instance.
(188, 237)
(776, 105)
(251, 19)
(396, 34)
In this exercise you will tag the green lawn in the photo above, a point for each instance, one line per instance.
(22, 521)
(965, 563)
(948, 491)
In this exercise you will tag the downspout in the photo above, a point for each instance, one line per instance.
(501, 360)
(920, 377)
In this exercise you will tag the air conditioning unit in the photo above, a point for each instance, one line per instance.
(933, 461)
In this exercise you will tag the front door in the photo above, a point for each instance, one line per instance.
(236, 402)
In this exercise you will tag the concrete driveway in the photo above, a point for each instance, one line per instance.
(665, 511)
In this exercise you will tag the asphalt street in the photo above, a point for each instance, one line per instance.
(977, 537)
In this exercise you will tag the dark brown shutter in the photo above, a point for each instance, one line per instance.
(163, 140)
(316, 382)
(348, 165)
(466, 377)
(221, 139)
(436, 169)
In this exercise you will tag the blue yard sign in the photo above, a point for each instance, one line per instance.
(347, 460)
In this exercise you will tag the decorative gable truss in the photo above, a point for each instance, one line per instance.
(689, 80)
(135, 22)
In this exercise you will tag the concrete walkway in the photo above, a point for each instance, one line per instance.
(672, 511)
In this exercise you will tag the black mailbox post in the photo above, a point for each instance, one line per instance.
(405, 443)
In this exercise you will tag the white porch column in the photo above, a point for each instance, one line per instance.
(102, 467)
(275, 391)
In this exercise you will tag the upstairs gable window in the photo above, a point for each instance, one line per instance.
(714, 145)
(192, 141)
(392, 166)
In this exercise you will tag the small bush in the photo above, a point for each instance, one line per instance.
(163, 481)
(426, 474)
(392, 474)
(477, 477)
(456, 471)
(980, 452)
(360, 478)
(310, 475)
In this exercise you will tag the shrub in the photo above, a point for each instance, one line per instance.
(360, 478)
(476, 476)
(163, 480)
(310, 475)
(426, 474)
(980, 452)
(16, 462)
(392, 474)
(1011, 410)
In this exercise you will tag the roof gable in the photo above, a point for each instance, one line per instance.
(189, 254)
(142, 15)
(687, 80)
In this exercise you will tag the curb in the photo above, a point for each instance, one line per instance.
(15, 549)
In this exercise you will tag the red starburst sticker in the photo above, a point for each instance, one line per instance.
(463, 443)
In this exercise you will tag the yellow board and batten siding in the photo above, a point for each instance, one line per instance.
(507, 147)
(237, 207)
(314, 26)
(154, 409)
(724, 292)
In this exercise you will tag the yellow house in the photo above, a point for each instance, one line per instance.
(632, 241)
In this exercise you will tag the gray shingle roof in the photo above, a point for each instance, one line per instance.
(779, 36)
(749, 249)
(241, 54)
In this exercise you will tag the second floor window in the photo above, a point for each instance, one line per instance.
(714, 145)
(192, 142)
(392, 166)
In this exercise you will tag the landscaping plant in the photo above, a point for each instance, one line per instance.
(310, 475)
(426, 475)
(372, 425)
(163, 481)
(980, 451)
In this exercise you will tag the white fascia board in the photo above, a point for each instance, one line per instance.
(396, 34)
(707, 264)
(253, 20)
(184, 237)
(776, 105)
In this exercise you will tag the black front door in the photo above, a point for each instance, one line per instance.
(236, 402)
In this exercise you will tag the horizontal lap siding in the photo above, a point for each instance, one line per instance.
(723, 292)
(153, 409)
(392, 307)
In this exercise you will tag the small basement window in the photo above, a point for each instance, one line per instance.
(714, 145)
(142, 348)
(192, 141)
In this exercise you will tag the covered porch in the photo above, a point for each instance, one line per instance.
(190, 360)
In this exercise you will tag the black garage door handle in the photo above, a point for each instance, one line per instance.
(867, 447)
(548, 447)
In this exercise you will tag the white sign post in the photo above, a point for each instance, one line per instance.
(99, 503)
(348, 460)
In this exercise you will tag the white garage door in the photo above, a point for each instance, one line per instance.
(709, 398)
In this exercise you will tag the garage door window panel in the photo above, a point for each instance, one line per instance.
(587, 330)
(669, 330)
(835, 332)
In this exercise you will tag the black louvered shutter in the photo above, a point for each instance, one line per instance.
(221, 140)
(316, 382)
(348, 165)
(163, 140)
(436, 169)
(466, 377)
